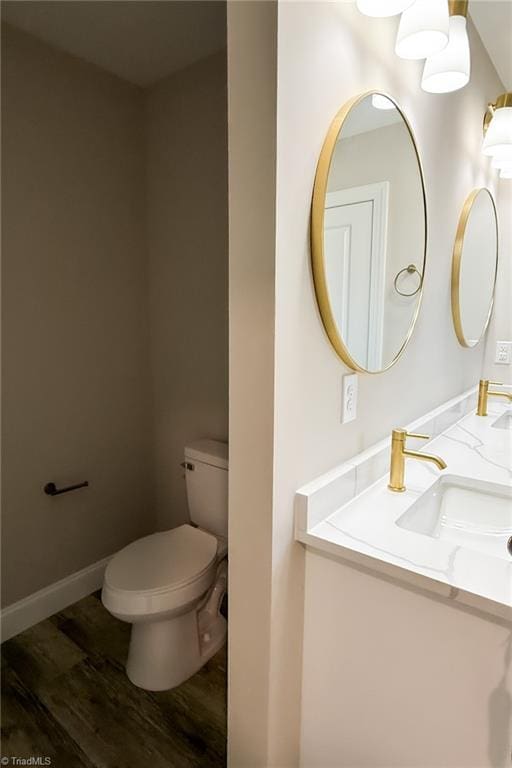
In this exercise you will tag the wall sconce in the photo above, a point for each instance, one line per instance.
(423, 30)
(449, 69)
(498, 134)
(382, 8)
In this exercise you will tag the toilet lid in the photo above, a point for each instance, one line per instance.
(163, 560)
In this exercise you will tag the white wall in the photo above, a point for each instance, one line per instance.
(75, 330)
(327, 52)
(186, 145)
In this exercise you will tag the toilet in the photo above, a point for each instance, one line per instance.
(170, 585)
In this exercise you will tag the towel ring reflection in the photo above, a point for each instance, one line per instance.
(411, 268)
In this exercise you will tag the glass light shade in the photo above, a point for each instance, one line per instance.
(503, 158)
(500, 164)
(503, 166)
(383, 8)
(381, 102)
(449, 69)
(498, 139)
(423, 29)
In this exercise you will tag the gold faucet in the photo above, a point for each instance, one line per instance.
(484, 393)
(398, 454)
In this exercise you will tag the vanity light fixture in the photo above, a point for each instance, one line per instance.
(504, 167)
(382, 8)
(449, 69)
(506, 170)
(423, 29)
(498, 164)
(498, 133)
(382, 102)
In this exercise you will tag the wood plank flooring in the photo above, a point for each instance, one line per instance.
(66, 696)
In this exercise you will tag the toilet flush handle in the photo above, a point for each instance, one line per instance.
(188, 466)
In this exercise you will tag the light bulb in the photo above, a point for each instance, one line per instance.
(498, 139)
(381, 8)
(423, 29)
(449, 69)
(379, 101)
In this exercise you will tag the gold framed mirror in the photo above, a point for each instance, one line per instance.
(369, 232)
(474, 267)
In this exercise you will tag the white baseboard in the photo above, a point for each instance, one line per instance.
(34, 608)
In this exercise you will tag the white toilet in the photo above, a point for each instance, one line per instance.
(170, 585)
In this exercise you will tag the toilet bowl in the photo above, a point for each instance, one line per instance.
(170, 585)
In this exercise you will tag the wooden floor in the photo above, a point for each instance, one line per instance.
(65, 695)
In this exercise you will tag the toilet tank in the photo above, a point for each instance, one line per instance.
(206, 472)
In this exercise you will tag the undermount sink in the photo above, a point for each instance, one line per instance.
(468, 513)
(504, 421)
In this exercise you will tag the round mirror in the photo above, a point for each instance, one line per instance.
(368, 232)
(474, 266)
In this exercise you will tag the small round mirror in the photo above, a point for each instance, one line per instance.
(475, 261)
(368, 232)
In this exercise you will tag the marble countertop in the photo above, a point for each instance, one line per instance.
(364, 529)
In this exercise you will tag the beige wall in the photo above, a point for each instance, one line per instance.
(186, 141)
(252, 192)
(114, 302)
(75, 331)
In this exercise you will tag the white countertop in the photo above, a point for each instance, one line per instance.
(364, 529)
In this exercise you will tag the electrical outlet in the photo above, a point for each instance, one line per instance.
(503, 352)
(349, 404)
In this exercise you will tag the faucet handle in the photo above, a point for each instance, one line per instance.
(400, 434)
(419, 437)
(497, 383)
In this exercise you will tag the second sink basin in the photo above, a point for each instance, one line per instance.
(469, 513)
(504, 421)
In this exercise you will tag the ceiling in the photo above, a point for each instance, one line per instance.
(145, 40)
(139, 40)
(493, 20)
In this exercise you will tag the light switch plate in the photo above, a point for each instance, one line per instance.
(349, 401)
(503, 353)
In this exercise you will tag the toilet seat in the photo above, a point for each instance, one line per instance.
(160, 573)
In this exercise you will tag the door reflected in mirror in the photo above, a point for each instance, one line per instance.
(369, 232)
(475, 262)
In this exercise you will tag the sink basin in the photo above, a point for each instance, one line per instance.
(504, 421)
(468, 513)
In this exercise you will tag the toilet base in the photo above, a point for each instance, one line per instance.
(163, 654)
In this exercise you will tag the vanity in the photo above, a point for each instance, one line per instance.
(408, 600)
(448, 532)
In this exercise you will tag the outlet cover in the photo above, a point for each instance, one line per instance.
(503, 353)
(349, 401)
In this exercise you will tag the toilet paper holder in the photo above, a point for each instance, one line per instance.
(51, 489)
